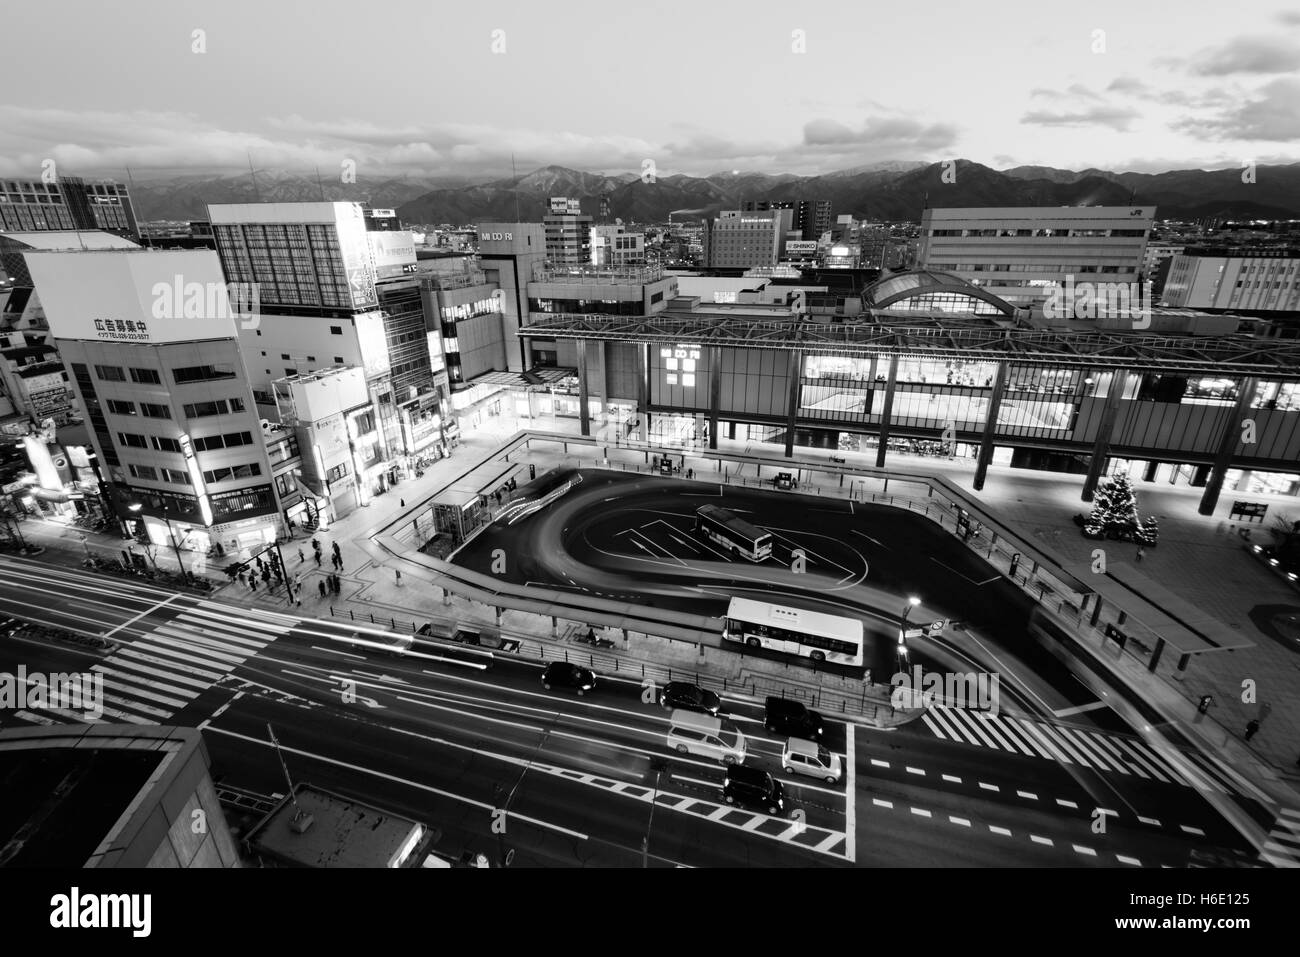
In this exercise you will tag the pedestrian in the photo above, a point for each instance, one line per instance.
(338, 585)
(398, 572)
(295, 581)
(252, 583)
(316, 555)
(1252, 728)
(321, 585)
(302, 556)
(335, 546)
(315, 545)
(1141, 552)
(403, 502)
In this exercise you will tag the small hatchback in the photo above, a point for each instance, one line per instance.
(750, 787)
(568, 675)
(811, 759)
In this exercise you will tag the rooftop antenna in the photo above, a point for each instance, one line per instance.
(301, 819)
(257, 197)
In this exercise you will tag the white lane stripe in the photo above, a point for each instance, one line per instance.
(1112, 752)
(243, 631)
(1289, 812)
(952, 725)
(150, 683)
(1132, 749)
(752, 824)
(1077, 739)
(1192, 830)
(829, 842)
(148, 611)
(921, 812)
(152, 699)
(1028, 731)
(1042, 840)
(877, 763)
(953, 778)
(274, 618)
(880, 802)
(999, 730)
(990, 787)
(1035, 734)
(175, 666)
(171, 648)
(930, 723)
(1069, 749)
(1000, 830)
(1084, 850)
(1028, 794)
(136, 706)
(1064, 803)
(204, 647)
(216, 639)
(34, 718)
(135, 666)
(1149, 820)
(230, 639)
(975, 725)
(1128, 860)
(919, 771)
(959, 820)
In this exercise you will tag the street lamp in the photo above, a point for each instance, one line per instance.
(659, 766)
(912, 602)
(171, 535)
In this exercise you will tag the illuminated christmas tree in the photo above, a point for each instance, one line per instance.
(1115, 514)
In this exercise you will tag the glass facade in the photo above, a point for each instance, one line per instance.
(293, 264)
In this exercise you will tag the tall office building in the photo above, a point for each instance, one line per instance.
(508, 255)
(811, 217)
(613, 245)
(568, 232)
(67, 204)
(1021, 254)
(737, 240)
(332, 293)
(151, 341)
(1250, 279)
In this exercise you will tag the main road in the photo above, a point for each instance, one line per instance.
(473, 745)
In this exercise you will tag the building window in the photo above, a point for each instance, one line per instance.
(212, 476)
(338, 360)
(164, 444)
(285, 356)
(153, 410)
(146, 376)
(144, 472)
(175, 476)
(198, 410)
(120, 407)
(131, 440)
(110, 373)
(336, 330)
(337, 472)
(203, 373)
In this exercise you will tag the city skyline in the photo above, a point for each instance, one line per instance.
(703, 91)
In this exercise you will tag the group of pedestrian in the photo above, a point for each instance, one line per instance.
(331, 584)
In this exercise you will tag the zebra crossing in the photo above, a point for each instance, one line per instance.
(151, 677)
(1283, 846)
(1079, 746)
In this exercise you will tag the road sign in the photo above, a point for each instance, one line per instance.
(939, 625)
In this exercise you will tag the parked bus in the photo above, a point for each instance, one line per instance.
(795, 631)
(733, 533)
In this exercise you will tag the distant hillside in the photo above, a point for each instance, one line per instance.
(892, 191)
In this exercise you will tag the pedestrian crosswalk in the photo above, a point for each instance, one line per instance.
(1283, 846)
(152, 676)
(1097, 750)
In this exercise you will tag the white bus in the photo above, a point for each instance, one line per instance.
(733, 533)
(795, 631)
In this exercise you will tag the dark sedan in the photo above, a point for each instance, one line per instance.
(566, 675)
(689, 697)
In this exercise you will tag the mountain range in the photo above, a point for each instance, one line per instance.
(891, 191)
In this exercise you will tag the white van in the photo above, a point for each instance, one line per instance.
(706, 736)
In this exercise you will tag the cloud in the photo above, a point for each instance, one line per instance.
(1113, 117)
(890, 133)
(1130, 85)
(1290, 17)
(1272, 116)
(1247, 55)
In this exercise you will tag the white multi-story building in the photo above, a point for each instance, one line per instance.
(737, 240)
(1022, 254)
(1239, 279)
(613, 245)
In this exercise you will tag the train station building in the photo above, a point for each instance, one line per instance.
(933, 364)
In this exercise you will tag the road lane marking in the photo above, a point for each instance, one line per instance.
(850, 795)
(1042, 840)
(1084, 850)
(921, 812)
(952, 778)
(1128, 860)
(1005, 832)
(1064, 803)
(143, 614)
(881, 802)
(876, 762)
(959, 820)
(1027, 794)
(919, 771)
(398, 780)
(990, 787)
(1149, 820)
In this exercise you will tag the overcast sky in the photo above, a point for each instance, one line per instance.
(414, 86)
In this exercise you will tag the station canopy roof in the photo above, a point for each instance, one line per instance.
(940, 335)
